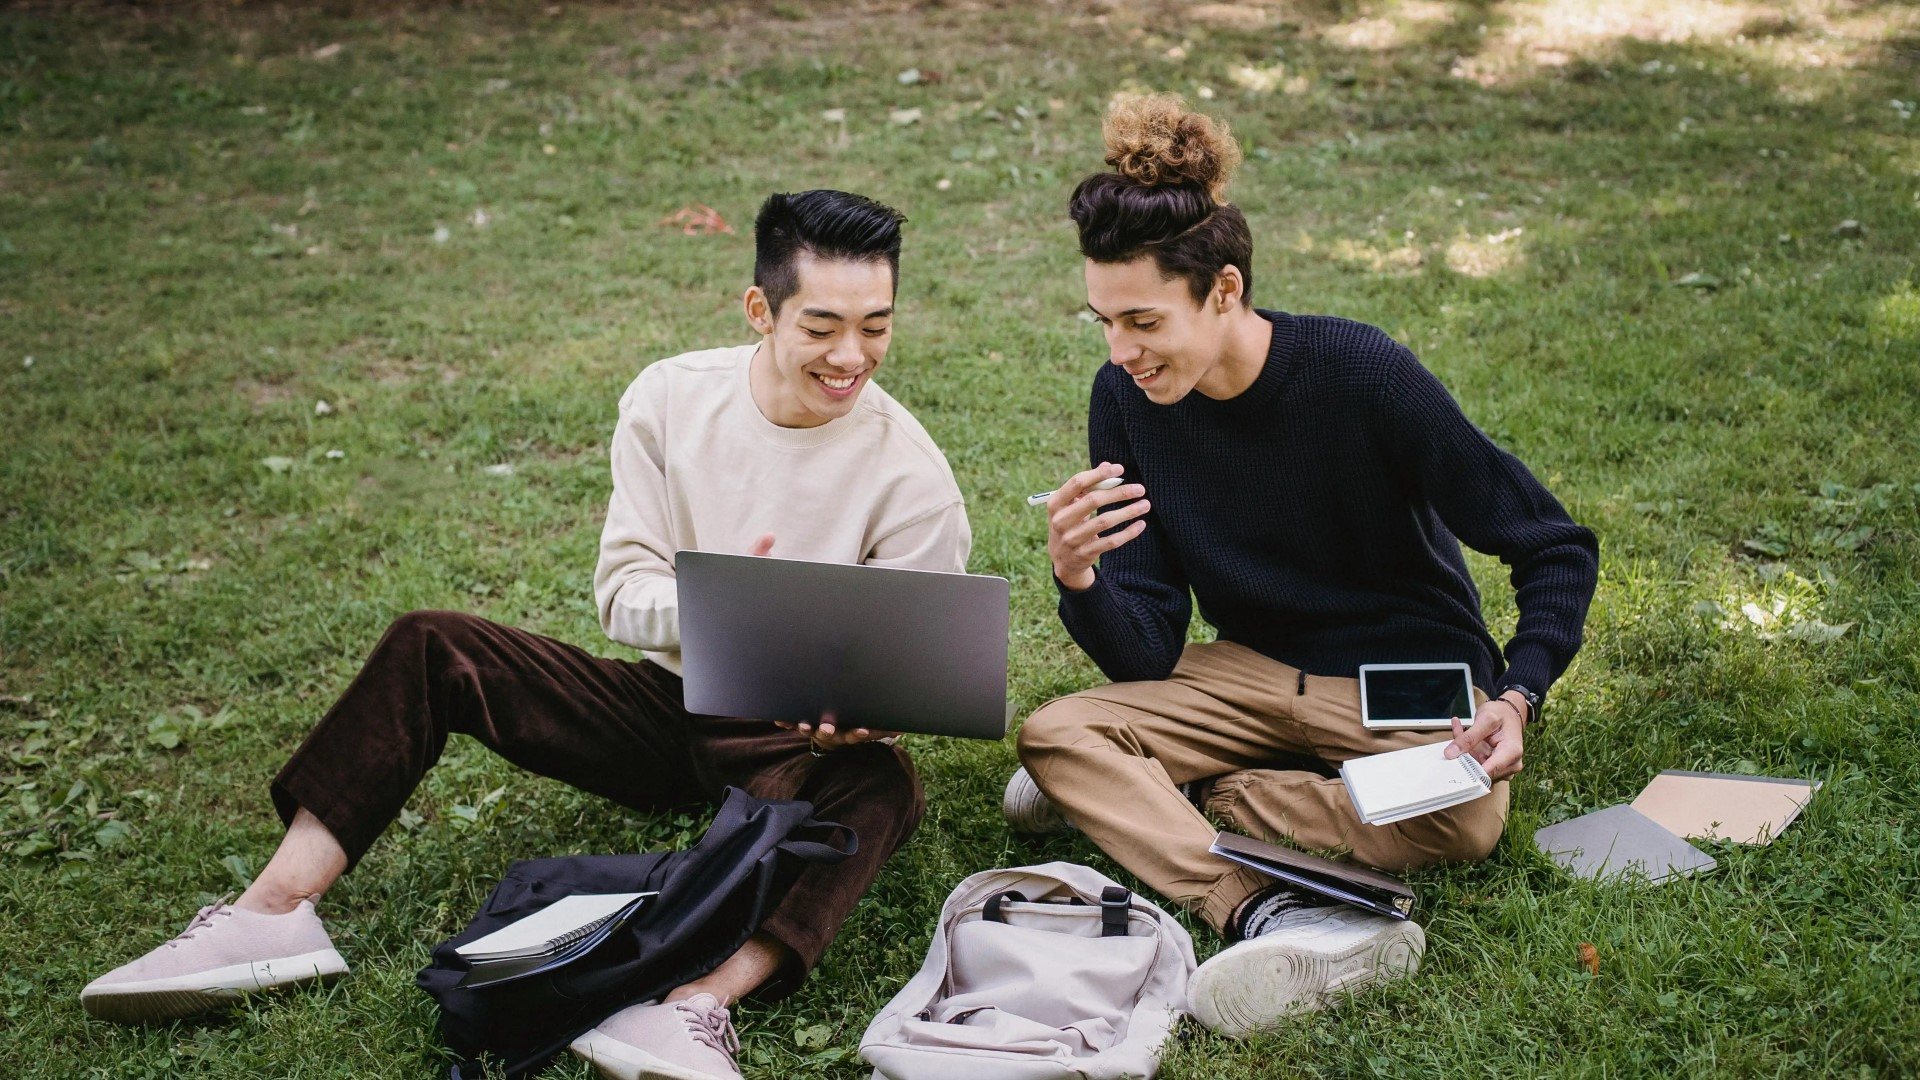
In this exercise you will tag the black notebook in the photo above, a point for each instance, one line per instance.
(1357, 885)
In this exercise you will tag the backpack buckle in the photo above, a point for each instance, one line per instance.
(1115, 904)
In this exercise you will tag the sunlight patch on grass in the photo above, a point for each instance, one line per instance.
(1485, 256)
(1397, 27)
(1897, 315)
(1800, 34)
(1405, 259)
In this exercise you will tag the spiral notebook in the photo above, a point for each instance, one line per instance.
(1400, 784)
(564, 930)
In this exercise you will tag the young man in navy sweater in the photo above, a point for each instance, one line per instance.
(1309, 483)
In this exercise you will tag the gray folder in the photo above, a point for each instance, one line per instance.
(1620, 842)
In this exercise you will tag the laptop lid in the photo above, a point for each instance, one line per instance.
(874, 646)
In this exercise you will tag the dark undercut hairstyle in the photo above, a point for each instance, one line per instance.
(829, 225)
(1164, 198)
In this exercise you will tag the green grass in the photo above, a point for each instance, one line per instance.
(206, 226)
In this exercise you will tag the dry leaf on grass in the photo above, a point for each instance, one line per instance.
(697, 219)
(1590, 958)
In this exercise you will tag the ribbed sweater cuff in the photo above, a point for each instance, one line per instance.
(1529, 664)
(1097, 619)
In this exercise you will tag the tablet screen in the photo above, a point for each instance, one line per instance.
(1413, 695)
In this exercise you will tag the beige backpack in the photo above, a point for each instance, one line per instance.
(1048, 972)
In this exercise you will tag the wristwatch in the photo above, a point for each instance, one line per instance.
(1532, 700)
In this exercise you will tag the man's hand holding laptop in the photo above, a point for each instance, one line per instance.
(823, 735)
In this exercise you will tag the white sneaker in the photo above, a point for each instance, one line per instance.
(1298, 963)
(675, 1040)
(224, 954)
(1027, 809)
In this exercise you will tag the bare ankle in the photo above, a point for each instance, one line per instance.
(701, 986)
(272, 901)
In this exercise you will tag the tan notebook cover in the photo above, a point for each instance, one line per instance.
(1724, 806)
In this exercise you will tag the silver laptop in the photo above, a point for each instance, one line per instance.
(874, 646)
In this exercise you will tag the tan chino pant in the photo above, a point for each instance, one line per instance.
(1110, 759)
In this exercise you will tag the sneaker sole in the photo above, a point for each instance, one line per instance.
(623, 1061)
(161, 1000)
(1258, 988)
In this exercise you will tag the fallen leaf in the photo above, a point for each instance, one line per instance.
(834, 116)
(908, 77)
(505, 468)
(1697, 280)
(237, 866)
(697, 219)
(336, 455)
(328, 52)
(1849, 227)
(1817, 632)
(321, 408)
(277, 464)
(903, 117)
(1590, 958)
(164, 732)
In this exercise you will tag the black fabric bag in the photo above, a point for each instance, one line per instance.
(713, 897)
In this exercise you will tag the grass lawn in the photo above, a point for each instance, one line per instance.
(1667, 253)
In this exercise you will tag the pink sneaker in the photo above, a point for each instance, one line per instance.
(675, 1040)
(224, 954)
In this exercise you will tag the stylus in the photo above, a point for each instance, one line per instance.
(1108, 484)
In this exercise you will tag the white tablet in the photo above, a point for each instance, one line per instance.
(1394, 696)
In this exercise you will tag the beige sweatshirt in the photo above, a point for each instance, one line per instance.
(697, 467)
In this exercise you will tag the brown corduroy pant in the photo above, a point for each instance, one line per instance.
(1110, 760)
(614, 728)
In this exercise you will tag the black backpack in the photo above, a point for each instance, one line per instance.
(713, 896)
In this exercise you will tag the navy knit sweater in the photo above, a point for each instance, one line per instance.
(1315, 519)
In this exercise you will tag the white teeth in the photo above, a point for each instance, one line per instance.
(1145, 375)
(837, 384)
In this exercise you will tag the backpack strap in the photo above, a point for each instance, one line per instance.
(992, 912)
(1115, 904)
(815, 851)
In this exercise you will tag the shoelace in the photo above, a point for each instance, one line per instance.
(203, 919)
(1273, 912)
(714, 1027)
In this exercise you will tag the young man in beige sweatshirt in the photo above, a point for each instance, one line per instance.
(783, 445)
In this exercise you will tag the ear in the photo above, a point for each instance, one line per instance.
(1228, 289)
(758, 311)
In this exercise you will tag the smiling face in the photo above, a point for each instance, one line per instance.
(1169, 344)
(820, 350)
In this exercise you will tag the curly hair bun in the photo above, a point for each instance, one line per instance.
(1153, 140)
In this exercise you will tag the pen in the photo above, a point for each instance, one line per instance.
(1108, 484)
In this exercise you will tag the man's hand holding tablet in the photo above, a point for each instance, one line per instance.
(1075, 524)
